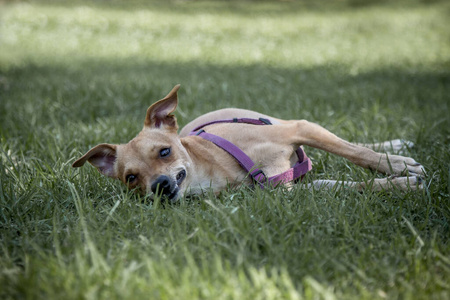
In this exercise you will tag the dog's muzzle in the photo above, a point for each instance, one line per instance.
(165, 186)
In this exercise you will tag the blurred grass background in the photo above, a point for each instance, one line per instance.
(77, 73)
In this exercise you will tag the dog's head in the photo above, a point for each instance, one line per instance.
(155, 161)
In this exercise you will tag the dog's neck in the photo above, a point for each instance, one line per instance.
(209, 167)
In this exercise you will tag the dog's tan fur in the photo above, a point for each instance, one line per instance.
(195, 164)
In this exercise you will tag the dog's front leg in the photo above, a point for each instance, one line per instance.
(311, 134)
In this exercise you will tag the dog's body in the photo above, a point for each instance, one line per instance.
(159, 160)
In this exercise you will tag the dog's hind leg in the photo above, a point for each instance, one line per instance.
(402, 183)
(397, 146)
(306, 133)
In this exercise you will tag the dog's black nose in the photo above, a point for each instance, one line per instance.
(162, 185)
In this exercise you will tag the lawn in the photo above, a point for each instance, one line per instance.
(74, 74)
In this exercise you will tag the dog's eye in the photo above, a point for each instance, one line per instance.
(164, 152)
(130, 178)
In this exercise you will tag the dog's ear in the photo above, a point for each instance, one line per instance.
(102, 157)
(159, 113)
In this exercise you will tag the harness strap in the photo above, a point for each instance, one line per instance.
(260, 121)
(242, 158)
(301, 167)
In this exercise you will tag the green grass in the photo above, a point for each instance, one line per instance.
(74, 74)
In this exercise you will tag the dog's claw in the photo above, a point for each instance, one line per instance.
(419, 180)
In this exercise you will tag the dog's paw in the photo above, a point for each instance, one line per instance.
(406, 183)
(401, 165)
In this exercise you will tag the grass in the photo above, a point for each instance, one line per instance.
(74, 74)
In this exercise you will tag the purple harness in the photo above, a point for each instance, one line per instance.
(301, 167)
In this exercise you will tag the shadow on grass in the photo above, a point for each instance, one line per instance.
(89, 90)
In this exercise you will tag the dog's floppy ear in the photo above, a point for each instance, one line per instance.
(159, 113)
(102, 157)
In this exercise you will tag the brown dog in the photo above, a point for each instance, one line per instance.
(159, 160)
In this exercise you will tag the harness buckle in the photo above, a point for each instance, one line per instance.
(256, 173)
(265, 121)
(200, 132)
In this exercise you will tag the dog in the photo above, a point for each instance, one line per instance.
(159, 161)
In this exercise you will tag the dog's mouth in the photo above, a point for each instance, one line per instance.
(180, 177)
